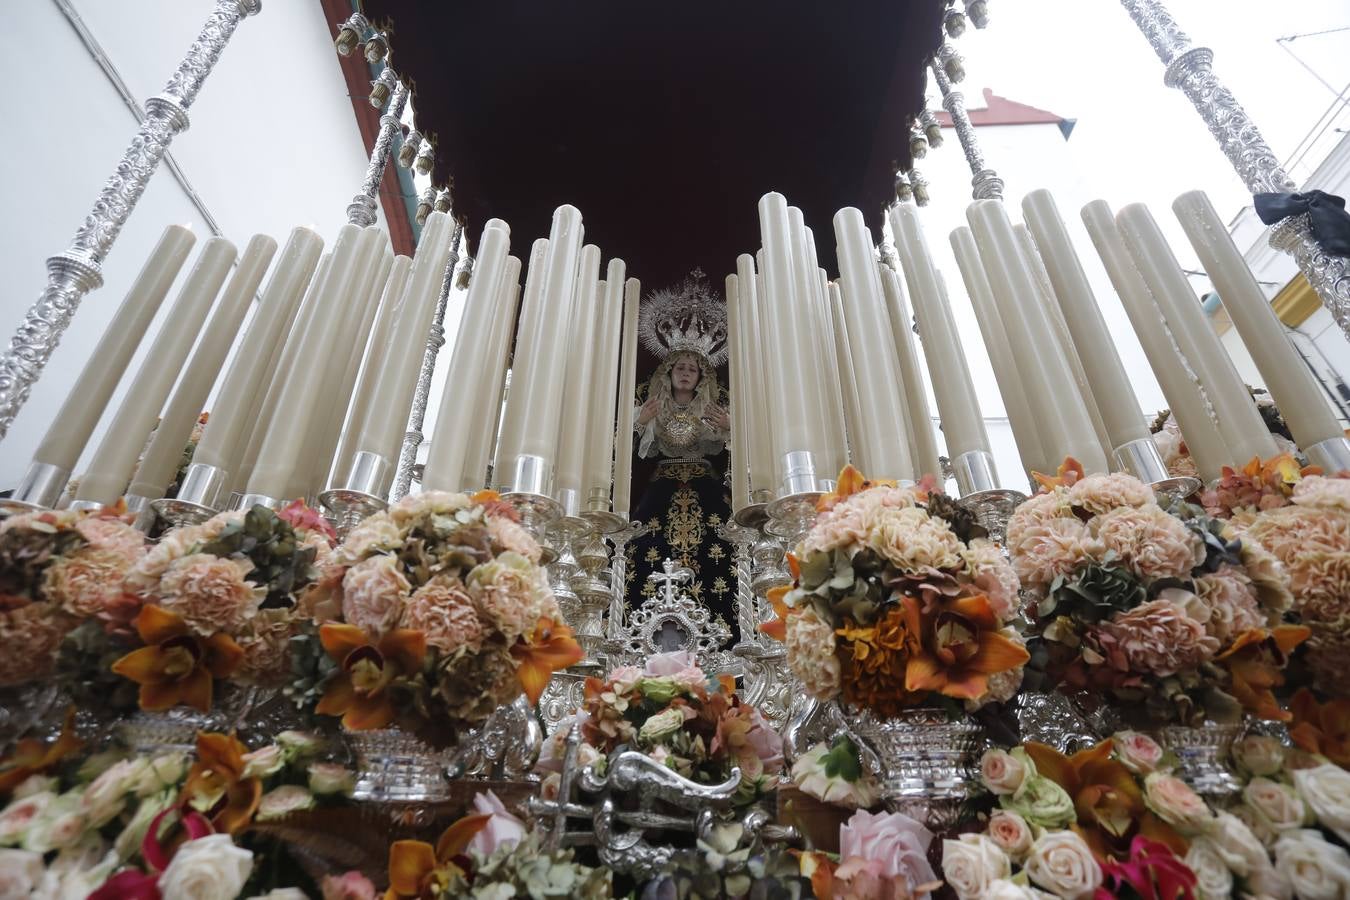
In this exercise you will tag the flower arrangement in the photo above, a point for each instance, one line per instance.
(215, 601)
(1240, 495)
(896, 602)
(490, 853)
(59, 568)
(1311, 538)
(1158, 609)
(433, 614)
(882, 855)
(161, 826)
(677, 715)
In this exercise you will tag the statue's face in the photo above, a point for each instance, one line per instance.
(685, 374)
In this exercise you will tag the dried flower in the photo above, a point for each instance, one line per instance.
(1052, 549)
(209, 593)
(373, 594)
(1100, 494)
(1155, 638)
(444, 612)
(1150, 542)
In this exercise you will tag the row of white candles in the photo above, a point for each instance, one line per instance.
(1064, 386)
(824, 368)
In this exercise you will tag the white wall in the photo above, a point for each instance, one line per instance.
(273, 144)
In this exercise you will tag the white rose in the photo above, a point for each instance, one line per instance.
(1257, 824)
(162, 772)
(209, 868)
(21, 815)
(1002, 772)
(61, 824)
(20, 872)
(1277, 804)
(1214, 880)
(972, 863)
(1326, 789)
(1240, 849)
(1316, 869)
(36, 784)
(1269, 884)
(1011, 832)
(106, 795)
(1061, 863)
(1175, 802)
(1003, 889)
(263, 762)
(299, 743)
(281, 802)
(1259, 754)
(77, 872)
(330, 778)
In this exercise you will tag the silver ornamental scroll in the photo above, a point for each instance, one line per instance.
(78, 269)
(1190, 69)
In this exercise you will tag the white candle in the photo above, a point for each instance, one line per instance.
(464, 400)
(69, 432)
(534, 409)
(1031, 254)
(605, 383)
(1287, 377)
(881, 406)
(623, 431)
(1178, 383)
(160, 462)
(1063, 419)
(499, 347)
(1243, 430)
(759, 437)
(824, 372)
(923, 442)
(1110, 386)
(508, 430)
(797, 414)
(299, 398)
(376, 359)
(238, 401)
(736, 387)
(113, 461)
(848, 377)
(962, 423)
(571, 439)
(392, 394)
(1026, 431)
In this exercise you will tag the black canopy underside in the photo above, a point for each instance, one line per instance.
(664, 123)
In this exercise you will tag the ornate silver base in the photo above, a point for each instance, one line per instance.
(182, 512)
(394, 766)
(790, 517)
(1144, 461)
(536, 513)
(145, 513)
(992, 509)
(1332, 455)
(248, 501)
(40, 489)
(752, 515)
(506, 746)
(1204, 753)
(603, 521)
(1051, 718)
(350, 508)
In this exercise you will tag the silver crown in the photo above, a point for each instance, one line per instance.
(688, 316)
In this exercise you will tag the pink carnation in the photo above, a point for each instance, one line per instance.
(113, 535)
(1323, 493)
(811, 653)
(509, 535)
(210, 593)
(991, 573)
(444, 612)
(1102, 493)
(510, 594)
(373, 594)
(1154, 638)
(86, 582)
(1232, 603)
(1151, 543)
(30, 636)
(1036, 511)
(1052, 548)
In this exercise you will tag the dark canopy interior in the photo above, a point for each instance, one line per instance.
(664, 123)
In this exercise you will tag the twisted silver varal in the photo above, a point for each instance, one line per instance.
(1190, 69)
(77, 270)
(362, 209)
(412, 439)
(985, 183)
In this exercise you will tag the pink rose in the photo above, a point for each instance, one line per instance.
(1011, 832)
(898, 842)
(351, 886)
(501, 830)
(373, 594)
(668, 664)
(1001, 772)
(1174, 801)
(1140, 753)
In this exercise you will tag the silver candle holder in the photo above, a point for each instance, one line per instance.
(529, 486)
(1332, 455)
(1144, 461)
(977, 482)
(360, 494)
(793, 512)
(199, 498)
(40, 489)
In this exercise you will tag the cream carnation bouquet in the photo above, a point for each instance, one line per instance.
(432, 614)
(897, 602)
(1162, 610)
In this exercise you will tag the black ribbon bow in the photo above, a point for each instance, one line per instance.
(1327, 217)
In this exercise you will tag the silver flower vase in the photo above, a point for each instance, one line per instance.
(395, 766)
(1204, 753)
(176, 729)
(927, 764)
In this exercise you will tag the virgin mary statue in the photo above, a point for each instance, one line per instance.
(682, 423)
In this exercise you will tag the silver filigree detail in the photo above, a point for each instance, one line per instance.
(78, 270)
(1203, 754)
(701, 634)
(985, 183)
(1190, 69)
(506, 746)
(1051, 718)
(362, 210)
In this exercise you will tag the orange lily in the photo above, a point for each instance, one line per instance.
(1255, 662)
(956, 646)
(850, 482)
(357, 693)
(32, 757)
(176, 666)
(1069, 473)
(216, 785)
(1109, 803)
(1321, 728)
(551, 647)
(777, 628)
(818, 868)
(417, 869)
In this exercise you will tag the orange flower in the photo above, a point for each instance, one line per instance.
(955, 646)
(850, 482)
(1109, 803)
(417, 869)
(357, 693)
(550, 648)
(32, 757)
(1069, 473)
(216, 785)
(176, 666)
(1321, 728)
(1255, 662)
